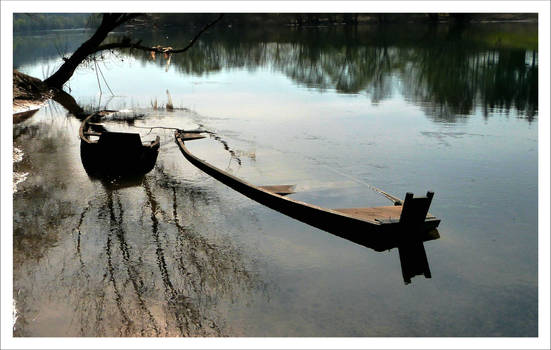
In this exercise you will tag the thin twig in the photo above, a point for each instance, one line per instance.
(100, 72)
(97, 76)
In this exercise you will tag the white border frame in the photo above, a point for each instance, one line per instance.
(9, 7)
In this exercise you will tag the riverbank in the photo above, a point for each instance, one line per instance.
(28, 92)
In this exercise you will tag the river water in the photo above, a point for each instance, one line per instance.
(416, 108)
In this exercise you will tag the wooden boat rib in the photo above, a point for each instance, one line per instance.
(379, 228)
(115, 154)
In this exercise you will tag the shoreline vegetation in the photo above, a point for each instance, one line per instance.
(24, 22)
(28, 92)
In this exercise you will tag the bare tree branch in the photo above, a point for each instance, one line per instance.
(157, 49)
(93, 45)
(198, 35)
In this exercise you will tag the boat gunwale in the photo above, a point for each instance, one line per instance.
(153, 145)
(188, 155)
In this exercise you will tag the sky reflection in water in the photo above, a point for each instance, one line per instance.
(180, 254)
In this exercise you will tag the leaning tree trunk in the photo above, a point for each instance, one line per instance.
(109, 22)
(65, 72)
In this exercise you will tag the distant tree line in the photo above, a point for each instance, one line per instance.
(479, 73)
(497, 72)
(45, 21)
(317, 19)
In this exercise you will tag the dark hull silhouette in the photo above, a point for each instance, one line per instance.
(115, 154)
(379, 228)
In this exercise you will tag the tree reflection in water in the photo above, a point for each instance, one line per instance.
(447, 70)
(136, 269)
(189, 272)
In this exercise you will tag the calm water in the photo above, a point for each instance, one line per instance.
(331, 110)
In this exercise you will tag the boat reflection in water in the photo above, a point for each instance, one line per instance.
(405, 225)
(413, 260)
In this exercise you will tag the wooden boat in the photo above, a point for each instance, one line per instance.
(107, 154)
(379, 228)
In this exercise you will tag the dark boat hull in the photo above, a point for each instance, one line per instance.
(100, 161)
(378, 235)
(115, 154)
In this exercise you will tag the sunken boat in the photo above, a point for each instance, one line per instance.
(381, 228)
(108, 154)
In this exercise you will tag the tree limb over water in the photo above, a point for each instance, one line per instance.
(109, 22)
(157, 49)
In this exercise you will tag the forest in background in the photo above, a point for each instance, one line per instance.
(46, 21)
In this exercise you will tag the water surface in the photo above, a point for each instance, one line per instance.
(415, 108)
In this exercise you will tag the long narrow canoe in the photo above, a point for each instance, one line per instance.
(379, 228)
